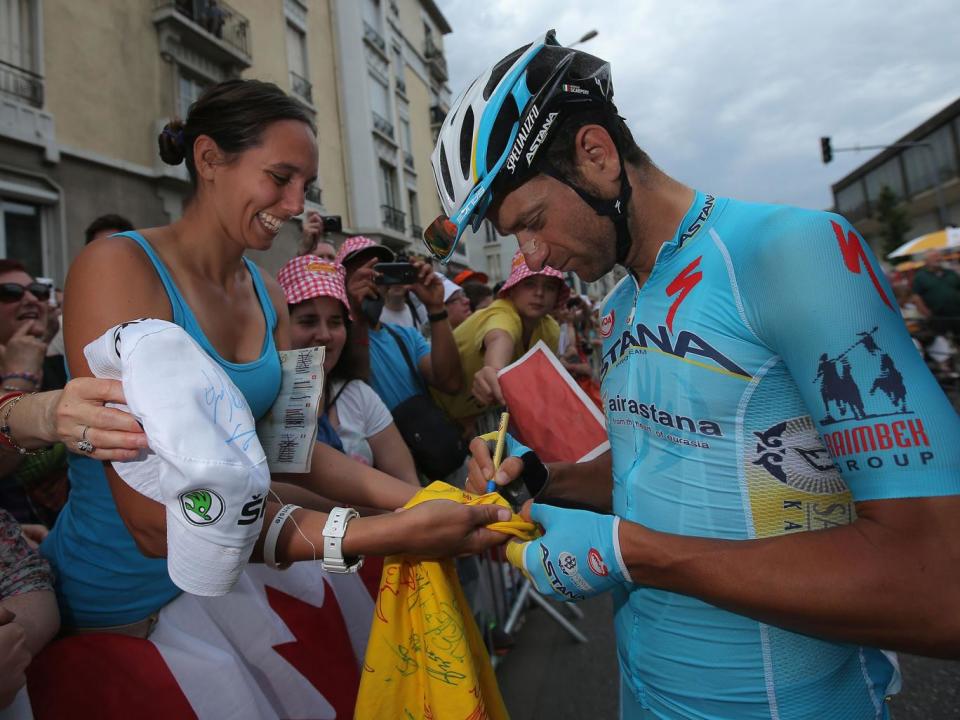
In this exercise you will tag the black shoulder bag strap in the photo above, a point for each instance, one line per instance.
(406, 356)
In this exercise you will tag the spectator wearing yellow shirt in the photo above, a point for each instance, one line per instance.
(501, 333)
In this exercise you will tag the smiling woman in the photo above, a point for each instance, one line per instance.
(251, 154)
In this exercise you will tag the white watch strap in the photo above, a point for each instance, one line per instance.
(273, 534)
(333, 532)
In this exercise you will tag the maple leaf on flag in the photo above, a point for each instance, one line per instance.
(322, 651)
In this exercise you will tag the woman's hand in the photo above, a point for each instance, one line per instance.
(443, 528)
(23, 353)
(361, 284)
(114, 434)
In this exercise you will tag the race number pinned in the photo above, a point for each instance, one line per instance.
(289, 431)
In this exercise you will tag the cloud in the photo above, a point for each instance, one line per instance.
(732, 96)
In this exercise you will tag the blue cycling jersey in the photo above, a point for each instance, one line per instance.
(757, 384)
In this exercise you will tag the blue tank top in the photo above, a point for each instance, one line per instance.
(102, 578)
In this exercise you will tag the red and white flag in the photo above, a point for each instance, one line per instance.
(550, 412)
(280, 645)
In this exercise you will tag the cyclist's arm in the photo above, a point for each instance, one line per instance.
(892, 578)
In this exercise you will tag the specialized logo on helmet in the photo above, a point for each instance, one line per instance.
(540, 136)
(521, 140)
(606, 324)
(201, 507)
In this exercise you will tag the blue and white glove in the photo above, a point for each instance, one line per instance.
(577, 557)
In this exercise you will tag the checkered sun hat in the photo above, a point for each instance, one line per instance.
(519, 271)
(358, 244)
(308, 276)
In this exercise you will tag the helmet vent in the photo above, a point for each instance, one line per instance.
(466, 143)
(500, 134)
(500, 69)
(445, 172)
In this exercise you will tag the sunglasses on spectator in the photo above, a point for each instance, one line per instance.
(11, 292)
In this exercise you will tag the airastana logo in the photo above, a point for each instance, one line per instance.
(687, 345)
(659, 416)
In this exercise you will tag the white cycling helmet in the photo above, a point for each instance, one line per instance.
(495, 129)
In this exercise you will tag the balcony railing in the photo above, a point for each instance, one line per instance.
(314, 194)
(373, 36)
(393, 218)
(212, 18)
(301, 87)
(21, 83)
(408, 160)
(416, 232)
(401, 86)
(436, 60)
(382, 125)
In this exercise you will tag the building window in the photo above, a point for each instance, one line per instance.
(887, 175)
(371, 15)
(380, 105)
(851, 202)
(398, 70)
(297, 63)
(925, 168)
(489, 233)
(21, 234)
(191, 87)
(393, 217)
(19, 61)
(493, 267)
(416, 230)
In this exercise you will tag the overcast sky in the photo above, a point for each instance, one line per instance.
(732, 96)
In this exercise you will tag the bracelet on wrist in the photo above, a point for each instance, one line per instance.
(26, 376)
(273, 535)
(437, 316)
(7, 404)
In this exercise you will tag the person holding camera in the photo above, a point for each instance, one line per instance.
(403, 365)
(313, 239)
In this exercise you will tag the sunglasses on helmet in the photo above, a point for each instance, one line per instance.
(11, 292)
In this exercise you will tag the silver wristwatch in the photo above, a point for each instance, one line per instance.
(333, 533)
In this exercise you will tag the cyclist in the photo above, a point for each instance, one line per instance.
(784, 470)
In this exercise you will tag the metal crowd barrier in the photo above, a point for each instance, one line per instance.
(499, 594)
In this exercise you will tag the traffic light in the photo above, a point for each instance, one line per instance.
(826, 152)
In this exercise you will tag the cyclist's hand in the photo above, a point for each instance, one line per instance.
(577, 557)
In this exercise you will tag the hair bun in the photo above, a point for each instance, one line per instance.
(171, 144)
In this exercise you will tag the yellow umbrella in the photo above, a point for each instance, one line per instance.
(908, 265)
(939, 240)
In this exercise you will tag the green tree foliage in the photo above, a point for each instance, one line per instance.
(894, 220)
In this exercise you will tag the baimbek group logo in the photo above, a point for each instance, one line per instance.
(868, 422)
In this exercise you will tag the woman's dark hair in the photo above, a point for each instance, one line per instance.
(234, 113)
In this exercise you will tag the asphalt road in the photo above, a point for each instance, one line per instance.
(550, 676)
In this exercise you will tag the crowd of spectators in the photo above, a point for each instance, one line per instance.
(397, 355)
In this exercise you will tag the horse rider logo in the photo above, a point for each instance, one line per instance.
(841, 392)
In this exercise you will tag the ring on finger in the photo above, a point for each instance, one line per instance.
(85, 446)
(83, 434)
